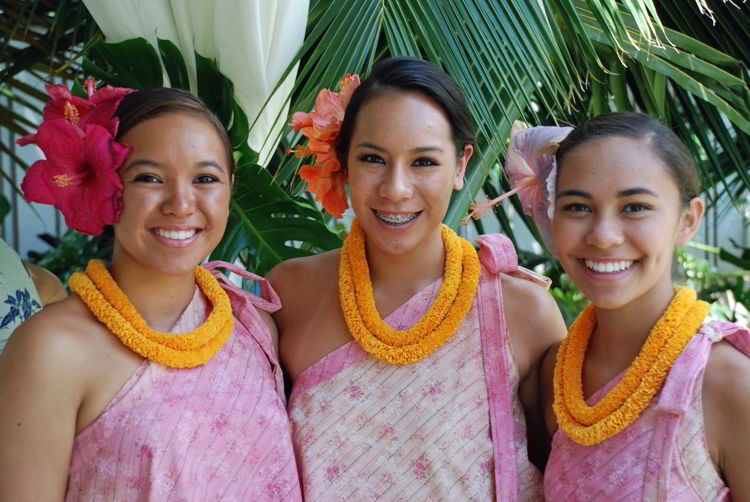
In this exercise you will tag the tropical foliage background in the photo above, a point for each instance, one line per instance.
(556, 62)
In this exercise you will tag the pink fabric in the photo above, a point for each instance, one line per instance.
(432, 430)
(663, 455)
(215, 432)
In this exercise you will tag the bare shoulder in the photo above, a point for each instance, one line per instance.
(726, 383)
(60, 336)
(534, 320)
(727, 375)
(298, 279)
(726, 407)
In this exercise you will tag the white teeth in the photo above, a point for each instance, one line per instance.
(608, 267)
(175, 235)
(396, 219)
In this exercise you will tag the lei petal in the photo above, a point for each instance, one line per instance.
(435, 328)
(101, 294)
(624, 403)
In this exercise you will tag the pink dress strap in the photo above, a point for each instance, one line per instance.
(676, 397)
(243, 306)
(497, 255)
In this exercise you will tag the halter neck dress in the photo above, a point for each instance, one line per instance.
(216, 432)
(663, 455)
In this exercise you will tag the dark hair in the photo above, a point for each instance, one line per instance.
(662, 140)
(409, 74)
(146, 104)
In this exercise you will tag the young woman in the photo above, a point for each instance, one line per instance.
(412, 369)
(649, 399)
(156, 380)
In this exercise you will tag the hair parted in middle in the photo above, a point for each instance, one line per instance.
(146, 104)
(411, 75)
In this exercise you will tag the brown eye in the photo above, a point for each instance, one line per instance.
(371, 158)
(206, 179)
(636, 208)
(424, 162)
(576, 207)
(147, 178)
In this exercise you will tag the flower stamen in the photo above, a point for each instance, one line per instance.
(71, 112)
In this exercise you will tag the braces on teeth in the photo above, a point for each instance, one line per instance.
(397, 219)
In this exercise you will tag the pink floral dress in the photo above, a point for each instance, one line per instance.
(217, 432)
(663, 455)
(449, 427)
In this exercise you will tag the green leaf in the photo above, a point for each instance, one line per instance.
(216, 90)
(174, 63)
(4, 207)
(134, 61)
(240, 129)
(270, 225)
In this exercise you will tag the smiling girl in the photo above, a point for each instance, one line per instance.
(413, 360)
(157, 380)
(647, 398)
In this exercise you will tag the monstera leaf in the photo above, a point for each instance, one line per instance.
(267, 226)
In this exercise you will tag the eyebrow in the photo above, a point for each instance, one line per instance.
(636, 191)
(575, 193)
(151, 163)
(419, 149)
(622, 193)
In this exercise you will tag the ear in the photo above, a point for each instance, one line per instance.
(461, 165)
(690, 221)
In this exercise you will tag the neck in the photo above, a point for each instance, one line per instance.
(159, 298)
(412, 270)
(621, 332)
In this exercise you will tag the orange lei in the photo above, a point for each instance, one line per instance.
(436, 327)
(111, 306)
(623, 404)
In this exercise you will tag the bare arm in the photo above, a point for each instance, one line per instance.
(726, 405)
(40, 393)
(534, 325)
(547, 391)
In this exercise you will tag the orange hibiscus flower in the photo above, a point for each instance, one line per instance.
(324, 177)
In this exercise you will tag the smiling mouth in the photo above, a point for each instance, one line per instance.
(175, 235)
(396, 219)
(608, 267)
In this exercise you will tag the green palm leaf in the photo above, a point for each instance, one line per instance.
(267, 226)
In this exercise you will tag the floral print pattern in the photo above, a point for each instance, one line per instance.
(662, 456)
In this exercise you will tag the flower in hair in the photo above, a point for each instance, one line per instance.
(99, 108)
(324, 177)
(532, 171)
(79, 174)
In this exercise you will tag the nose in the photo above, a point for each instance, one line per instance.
(180, 199)
(605, 232)
(397, 184)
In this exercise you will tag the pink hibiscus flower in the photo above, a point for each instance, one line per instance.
(79, 175)
(532, 171)
(98, 109)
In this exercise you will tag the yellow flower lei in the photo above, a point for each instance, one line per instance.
(623, 404)
(436, 327)
(111, 306)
